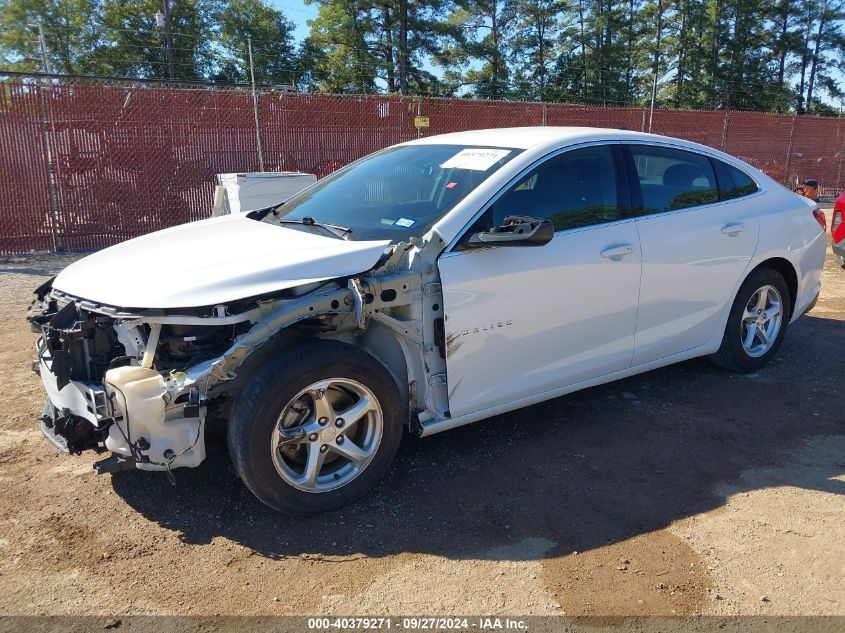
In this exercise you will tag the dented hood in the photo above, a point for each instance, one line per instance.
(211, 262)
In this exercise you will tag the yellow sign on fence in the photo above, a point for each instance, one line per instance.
(420, 121)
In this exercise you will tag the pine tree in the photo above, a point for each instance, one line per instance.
(273, 53)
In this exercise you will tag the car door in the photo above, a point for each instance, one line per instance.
(520, 321)
(696, 247)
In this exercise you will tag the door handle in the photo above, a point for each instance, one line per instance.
(733, 229)
(617, 252)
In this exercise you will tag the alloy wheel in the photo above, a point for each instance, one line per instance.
(327, 435)
(761, 321)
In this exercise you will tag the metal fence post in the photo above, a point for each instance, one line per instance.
(51, 172)
(789, 152)
(841, 152)
(725, 127)
(255, 108)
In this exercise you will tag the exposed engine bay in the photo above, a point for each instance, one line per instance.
(140, 383)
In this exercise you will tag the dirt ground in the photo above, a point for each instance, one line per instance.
(686, 490)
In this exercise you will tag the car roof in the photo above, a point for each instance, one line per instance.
(541, 139)
(537, 137)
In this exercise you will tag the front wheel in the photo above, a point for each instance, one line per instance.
(757, 322)
(316, 428)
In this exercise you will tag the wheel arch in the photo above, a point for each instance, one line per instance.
(775, 262)
(384, 345)
(787, 270)
(377, 340)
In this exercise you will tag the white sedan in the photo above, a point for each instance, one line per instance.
(431, 284)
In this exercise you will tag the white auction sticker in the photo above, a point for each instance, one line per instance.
(476, 159)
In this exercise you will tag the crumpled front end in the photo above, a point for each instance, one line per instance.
(139, 383)
(104, 395)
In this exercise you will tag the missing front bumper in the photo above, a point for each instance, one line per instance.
(133, 421)
(114, 464)
(70, 433)
(48, 428)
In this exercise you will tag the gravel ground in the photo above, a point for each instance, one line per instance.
(682, 491)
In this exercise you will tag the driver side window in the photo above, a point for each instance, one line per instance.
(573, 189)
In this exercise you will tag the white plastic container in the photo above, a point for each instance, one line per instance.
(138, 394)
(256, 190)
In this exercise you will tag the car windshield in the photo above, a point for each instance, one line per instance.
(396, 193)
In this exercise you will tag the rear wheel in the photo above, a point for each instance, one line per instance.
(316, 428)
(757, 322)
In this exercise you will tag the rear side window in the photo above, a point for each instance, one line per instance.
(733, 183)
(673, 179)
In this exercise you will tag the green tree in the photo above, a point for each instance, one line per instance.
(785, 46)
(367, 46)
(130, 44)
(429, 36)
(569, 79)
(538, 23)
(488, 25)
(69, 30)
(597, 57)
(657, 19)
(825, 53)
(779, 55)
(273, 52)
(344, 57)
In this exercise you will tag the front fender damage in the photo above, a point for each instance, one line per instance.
(363, 298)
(154, 418)
(221, 369)
(159, 419)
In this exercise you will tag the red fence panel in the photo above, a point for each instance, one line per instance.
(619, 118)
(130, 158)
(137, 159)
(26, 221)
(457, 115)
(761, 140)
(320, 133)
(707, 128)
(816, 152)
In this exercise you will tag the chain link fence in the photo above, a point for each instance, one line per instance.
(85, 164)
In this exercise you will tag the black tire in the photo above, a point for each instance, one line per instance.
(273, 387)
(732, 354)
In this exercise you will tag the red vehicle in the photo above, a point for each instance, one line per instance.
(837, 229)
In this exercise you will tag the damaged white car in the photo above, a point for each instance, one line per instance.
(429, 285)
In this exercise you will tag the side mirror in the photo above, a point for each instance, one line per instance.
(518, 230)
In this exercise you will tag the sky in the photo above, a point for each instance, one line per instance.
(297, 12)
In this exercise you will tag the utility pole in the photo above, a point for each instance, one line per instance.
(168, 41)
(403, 47)
(255, 108)
(45, 53)
(653, 95)
(656, 62)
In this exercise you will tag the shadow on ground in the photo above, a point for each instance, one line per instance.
(583, 471)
